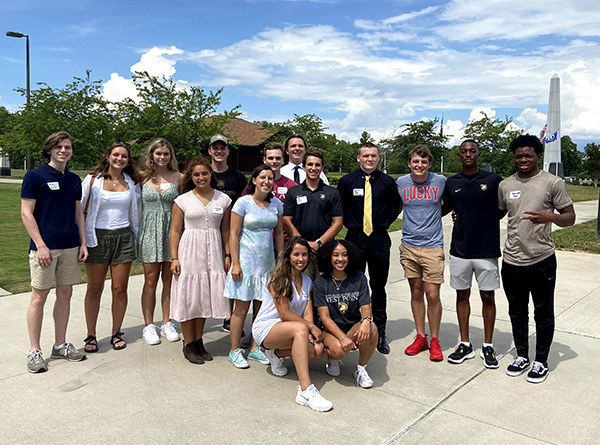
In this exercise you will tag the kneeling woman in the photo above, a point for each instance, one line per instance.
(342, 299)
(284, 325)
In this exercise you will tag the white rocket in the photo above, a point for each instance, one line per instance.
(552, 161)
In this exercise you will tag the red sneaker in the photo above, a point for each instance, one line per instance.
(435, 351)
(420, 344)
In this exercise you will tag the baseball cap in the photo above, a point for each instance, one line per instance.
(218, 137)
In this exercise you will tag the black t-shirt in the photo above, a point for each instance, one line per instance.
(343, 303)
(232, 183)
(476, 231)
(312, 210)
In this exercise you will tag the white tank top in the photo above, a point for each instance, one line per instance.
(114, 210)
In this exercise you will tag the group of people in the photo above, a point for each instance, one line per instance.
(218, 242)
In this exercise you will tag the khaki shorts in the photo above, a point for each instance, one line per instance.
(423, 262)
(64, 268)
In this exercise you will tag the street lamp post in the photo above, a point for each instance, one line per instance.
(19, 35)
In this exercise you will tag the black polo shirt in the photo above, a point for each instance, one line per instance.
(385, 205)
(231, 182)
(476, 231)
(55, 197)
(313, 210)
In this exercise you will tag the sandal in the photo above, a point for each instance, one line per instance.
(116, 338)
(90, 341)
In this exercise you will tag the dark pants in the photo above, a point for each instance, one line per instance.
(538, 279)
(375, 252)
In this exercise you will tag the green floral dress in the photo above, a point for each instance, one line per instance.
(155, 224)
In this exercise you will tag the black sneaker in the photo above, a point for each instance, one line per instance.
(226, 325)
(518, 367)
(489, 357)
(462, 353)
(539, 372)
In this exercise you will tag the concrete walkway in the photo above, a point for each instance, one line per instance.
(150, 394)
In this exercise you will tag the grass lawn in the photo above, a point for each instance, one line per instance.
(578, 238)
(14, 242)
(580, 193)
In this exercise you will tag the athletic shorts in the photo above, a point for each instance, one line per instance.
(114, 247)
(426, 263)
(64, 269)
(485, 269)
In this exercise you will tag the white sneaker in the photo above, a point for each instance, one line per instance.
(362, 378)
(168, 330)
(333, 367)
(277, 367)
(312, 398)
(150, 335)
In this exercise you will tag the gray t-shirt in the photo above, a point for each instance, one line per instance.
(422, 210)
(528, 243)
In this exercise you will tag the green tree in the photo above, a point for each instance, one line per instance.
(592, 161)
(572, 159)
(179, 115)
(77, 108)
(366, 137)
(493, 136)
(411, 135)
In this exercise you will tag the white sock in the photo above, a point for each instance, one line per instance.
(56, 348)
(485, 345)
(466, 343)
(360, 368)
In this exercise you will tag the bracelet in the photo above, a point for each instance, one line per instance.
(172, 259)
(343, 337)
(369, 319)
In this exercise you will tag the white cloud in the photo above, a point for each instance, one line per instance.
(118, 88)
(467, 20)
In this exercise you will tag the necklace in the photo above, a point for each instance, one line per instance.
(337, 283)
(115, 182)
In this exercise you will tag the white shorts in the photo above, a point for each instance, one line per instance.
(485, 269)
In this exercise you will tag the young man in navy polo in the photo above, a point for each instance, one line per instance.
(52, 214)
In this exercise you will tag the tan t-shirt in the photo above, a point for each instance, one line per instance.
(528, 243)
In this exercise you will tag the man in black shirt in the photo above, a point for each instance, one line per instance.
(230, 181)
(313, 210)
(368, 229)
(475, 247)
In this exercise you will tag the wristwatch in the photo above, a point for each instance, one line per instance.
(319, 243)
(369, 319)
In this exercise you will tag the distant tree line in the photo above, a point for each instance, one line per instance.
(162, 109)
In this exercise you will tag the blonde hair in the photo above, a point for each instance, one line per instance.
(149, 168)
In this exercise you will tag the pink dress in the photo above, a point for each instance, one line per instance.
(198, 291)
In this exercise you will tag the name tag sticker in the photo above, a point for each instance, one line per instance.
(282, 190)
(273, 210)
(301, 200)
(106, 195)
(53, 186)
(165, 185)
(218, 210)
(515, 194)
(358, 192)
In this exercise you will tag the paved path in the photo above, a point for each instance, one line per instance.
(150, 394)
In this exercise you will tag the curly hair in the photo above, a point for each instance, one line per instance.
(251, 187)
(280, 278)
(187, 183)
(101, 169)
(421, 150)
(326, 251)
(149, 168)
(527, 140)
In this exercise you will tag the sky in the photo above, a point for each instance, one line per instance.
(358, 65)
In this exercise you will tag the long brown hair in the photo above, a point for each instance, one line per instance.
(280, 278)
(187, 183)
(102, 168)
(149, 168)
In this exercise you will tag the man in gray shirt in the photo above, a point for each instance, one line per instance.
(530, 197)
